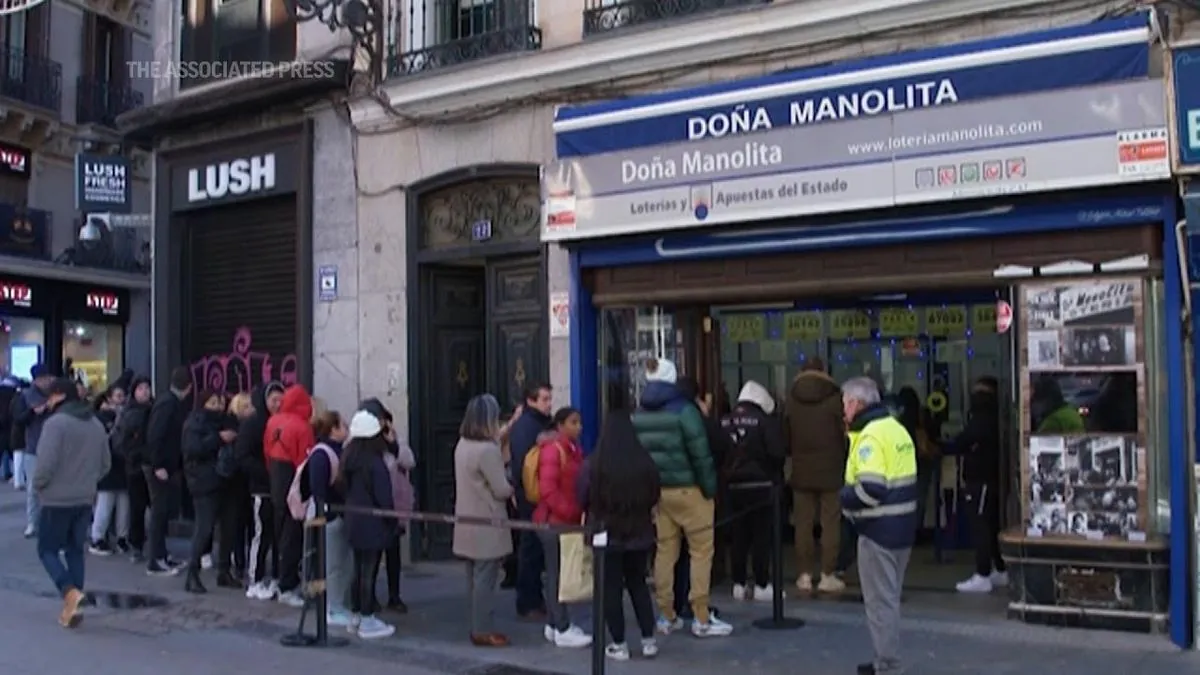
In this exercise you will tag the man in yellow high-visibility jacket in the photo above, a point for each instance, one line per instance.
(880, 497)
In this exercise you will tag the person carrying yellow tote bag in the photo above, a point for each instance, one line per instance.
(575, 568)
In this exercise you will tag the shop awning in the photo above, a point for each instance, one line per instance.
(1105, 51)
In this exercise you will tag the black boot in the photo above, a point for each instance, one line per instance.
(397, 605)
(193, 585)
(227, 580)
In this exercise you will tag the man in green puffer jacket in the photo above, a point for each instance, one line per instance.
(671, 428)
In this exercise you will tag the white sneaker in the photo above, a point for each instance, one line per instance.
(272, 587)
(831, 584)
(999, 579)
(617, 652)
(548, 633)
(338, 617)
(667, 627)
(739, 592)
(371, 628)
(355, 622)
(976, 584)
(30, 531)
(714, 628)
(572, 637)
(206, 561)
(765, 593)
(649, 648)
(804, 583)
(291, 599)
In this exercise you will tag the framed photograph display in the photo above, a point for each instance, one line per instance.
(1083, 417)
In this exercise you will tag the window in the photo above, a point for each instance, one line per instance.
(96, 351)
(22, 343)
(235, 30)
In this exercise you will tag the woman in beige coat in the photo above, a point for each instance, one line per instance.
(482, 490)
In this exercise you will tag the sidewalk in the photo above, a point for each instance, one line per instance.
(223, 631)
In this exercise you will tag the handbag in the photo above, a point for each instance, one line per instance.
(574, 568)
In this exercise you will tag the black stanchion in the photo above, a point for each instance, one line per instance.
(777, 621)
(599, 554)
(315, 597)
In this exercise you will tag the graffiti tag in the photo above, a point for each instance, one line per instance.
(242, 369)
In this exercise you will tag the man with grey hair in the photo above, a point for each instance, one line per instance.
(880, 497)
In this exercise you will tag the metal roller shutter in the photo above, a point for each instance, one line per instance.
(241, 273)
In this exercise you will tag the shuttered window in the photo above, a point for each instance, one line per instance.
(240, 273)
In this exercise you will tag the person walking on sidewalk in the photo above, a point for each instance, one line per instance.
(74, 456)
(672, 430)
(880, 496)
(30, 414)
(164, 473)
(816, 438)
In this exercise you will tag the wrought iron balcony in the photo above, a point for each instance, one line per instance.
(603, 16)
(30, 79)
(100, 101)
(440, 33)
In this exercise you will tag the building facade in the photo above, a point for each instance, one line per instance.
(73, 288)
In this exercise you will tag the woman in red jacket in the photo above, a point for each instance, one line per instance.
(560, 459)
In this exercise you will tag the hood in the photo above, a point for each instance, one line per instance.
(813, 386)
(757, 394)
(657, 395)
(376, 408)
(296, 401)
(80, 410)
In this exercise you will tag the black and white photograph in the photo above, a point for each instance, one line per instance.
(1102, 484)
(1077, 523)
(1098, 303)
(1042, 307)
(1047, 459)
(1099, 347)
(1044, 350)
(1049, 518)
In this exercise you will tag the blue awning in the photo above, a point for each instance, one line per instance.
(1104, 51)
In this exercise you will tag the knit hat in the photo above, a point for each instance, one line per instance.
(364, 425)
(660, 370)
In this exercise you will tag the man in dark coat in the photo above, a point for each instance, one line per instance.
(531, 562)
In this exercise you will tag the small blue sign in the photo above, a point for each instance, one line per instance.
(481, 231)
(327, 283)
(1187, 103)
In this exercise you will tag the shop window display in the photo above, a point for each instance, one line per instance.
(22, 343)
(96, 352)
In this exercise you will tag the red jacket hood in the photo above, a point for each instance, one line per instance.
(296, 401)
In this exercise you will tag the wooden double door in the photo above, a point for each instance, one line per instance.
(482, 330)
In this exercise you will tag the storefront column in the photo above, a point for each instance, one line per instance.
(584, 359)
(1181, 460)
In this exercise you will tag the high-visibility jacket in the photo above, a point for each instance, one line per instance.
(880, 495)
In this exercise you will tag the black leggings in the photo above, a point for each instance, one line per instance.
(392, 562)
(231, 528)
(362, 590)
(751, 537)
(626, 571)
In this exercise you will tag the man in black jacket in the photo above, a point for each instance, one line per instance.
(252, 464)
(129, 441)
(531, 561)
(979, 446)
(164, 473)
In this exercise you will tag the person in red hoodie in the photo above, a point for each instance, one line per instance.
(286, 443)
(560, 459)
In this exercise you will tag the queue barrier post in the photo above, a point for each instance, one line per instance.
(777, 620)
(599, 558)
(315, 597)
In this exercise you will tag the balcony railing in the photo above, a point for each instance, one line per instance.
(438, 33)
(602, 16)
(100, 101)
(30, 79)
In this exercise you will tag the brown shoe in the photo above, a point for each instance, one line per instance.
(71, 614)
(489, 640)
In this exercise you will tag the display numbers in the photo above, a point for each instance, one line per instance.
(745, 327)
(803, 326)
(983, 318)
(849, 324)
(946, 321)
(897, 322)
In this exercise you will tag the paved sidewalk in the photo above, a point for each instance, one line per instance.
(223, 631)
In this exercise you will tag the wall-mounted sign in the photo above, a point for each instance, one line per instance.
(16, 294)
(15, 160)
(103, 183)
(108, 304)
(327, 283)
(234, 176)
(1185, 68)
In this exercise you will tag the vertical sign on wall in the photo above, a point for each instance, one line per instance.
(327, 283)
(1185, 72)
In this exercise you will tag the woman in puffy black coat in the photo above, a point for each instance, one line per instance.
(204, 432)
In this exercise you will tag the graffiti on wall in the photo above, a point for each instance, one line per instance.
(242, 368)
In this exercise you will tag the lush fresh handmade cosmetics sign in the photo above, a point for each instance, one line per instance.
(1075, 138)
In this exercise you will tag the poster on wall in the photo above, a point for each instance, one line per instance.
(560, 314)
(1083, 417)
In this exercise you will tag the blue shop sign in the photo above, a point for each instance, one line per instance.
(1105, 51)
(1186, 62)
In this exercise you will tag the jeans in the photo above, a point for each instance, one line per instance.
(531, 562)
(33, 505)
(482, 576)
(557, 615)
(6, 463)
(109, 502)
(205, 508)
(339, 566)
(684, 514)
(62, 533)
(163, 494)
(20, 480)
(139, 503)
(625, 571)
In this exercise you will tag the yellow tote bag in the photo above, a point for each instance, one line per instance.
(574, 568)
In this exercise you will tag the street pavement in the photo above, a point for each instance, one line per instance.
(222, 632)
